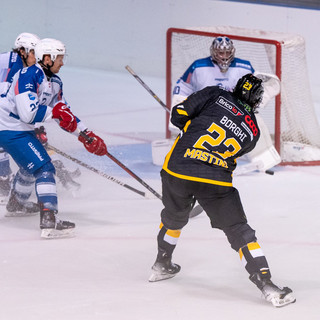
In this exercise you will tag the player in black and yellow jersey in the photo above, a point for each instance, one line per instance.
(217, 127)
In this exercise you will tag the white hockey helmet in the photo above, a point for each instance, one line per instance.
(27, 41)
(222, 51)
(50, 47)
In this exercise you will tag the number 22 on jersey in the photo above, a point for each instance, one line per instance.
(231, 144)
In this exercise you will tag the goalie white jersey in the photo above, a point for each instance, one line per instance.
(204, 72)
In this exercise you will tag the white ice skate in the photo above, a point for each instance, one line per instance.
(279, 297)
(163, 270)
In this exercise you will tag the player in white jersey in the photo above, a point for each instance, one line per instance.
(36, 96)
(223, 69)
(10, 63)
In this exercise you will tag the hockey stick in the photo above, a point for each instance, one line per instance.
(119, 163)
(194, 212)
(147, 88)
(100, 173)
(132, 174)
(197, 209)
(275, 84)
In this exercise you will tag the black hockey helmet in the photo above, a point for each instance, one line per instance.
(249, 89)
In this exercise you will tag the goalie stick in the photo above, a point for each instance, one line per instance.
(100, 173)
(147, 88)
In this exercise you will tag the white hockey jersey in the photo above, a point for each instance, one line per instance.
(10, 63)
(30, 100)
(204, 72)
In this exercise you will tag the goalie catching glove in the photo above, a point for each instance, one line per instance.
(93, 143)
(67, 120)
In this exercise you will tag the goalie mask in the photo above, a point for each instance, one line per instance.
(222, 52)
(249, 89)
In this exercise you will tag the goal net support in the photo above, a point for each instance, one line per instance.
(289, 116)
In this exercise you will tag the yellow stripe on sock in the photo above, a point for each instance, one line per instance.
(240, 254)
(253, 246)
(255, 250)
(173, 233)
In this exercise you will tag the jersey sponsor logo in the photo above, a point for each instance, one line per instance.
(205, 157)
(228, 105)
(233, 127)
(251, 124)
(221, 79)
(36, 152)
(31, 97)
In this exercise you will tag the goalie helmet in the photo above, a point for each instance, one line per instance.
(222, 52)
(27, 41)
(249, 89)
(51, 47)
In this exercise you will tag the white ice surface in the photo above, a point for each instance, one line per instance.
(102, 273)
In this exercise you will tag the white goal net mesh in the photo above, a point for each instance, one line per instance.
(299, 134)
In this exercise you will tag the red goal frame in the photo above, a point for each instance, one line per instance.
(277, 45)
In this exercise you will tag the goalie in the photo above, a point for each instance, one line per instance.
(223, 69)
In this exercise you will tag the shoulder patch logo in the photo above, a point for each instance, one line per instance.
(230, 106)
(31, 97)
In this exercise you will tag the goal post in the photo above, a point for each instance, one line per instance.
(290, 116)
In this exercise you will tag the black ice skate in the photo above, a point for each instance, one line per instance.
(163, 269)
(279, 297)
(51, 227)
(17, 209)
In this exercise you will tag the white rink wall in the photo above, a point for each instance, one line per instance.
(109, 34)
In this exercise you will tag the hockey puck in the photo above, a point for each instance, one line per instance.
(271, 172)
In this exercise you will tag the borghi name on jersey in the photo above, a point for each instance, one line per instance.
(217, 128)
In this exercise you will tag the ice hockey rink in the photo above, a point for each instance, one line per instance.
(102, 273)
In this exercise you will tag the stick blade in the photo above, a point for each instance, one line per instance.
(195, 211)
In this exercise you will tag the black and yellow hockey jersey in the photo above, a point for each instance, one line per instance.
(217, 128)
